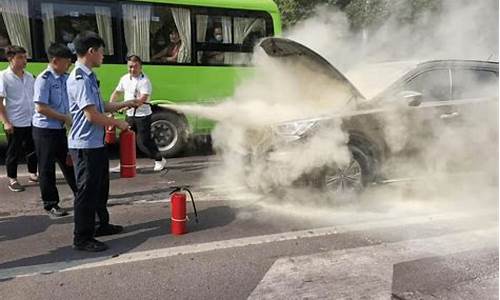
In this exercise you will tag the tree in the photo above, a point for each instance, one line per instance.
(293, 11)
(361, 13)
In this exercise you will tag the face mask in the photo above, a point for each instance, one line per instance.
(67, 37)
(218, 37)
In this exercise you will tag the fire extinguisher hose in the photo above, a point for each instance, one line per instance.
(185, 188)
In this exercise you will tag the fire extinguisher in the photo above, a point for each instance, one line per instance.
(178, 210)
(110, 136)
(69, 160)
(127, 154)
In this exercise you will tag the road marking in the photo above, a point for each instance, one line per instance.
(356, 273)
(34, 270)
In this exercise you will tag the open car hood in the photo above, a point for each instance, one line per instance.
(288, 49)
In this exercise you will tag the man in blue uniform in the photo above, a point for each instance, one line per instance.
(86, 144)
(49, 121)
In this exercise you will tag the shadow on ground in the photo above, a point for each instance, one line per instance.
(14, 228)
(137, 234)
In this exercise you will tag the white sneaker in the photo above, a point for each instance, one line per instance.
(115, 169)
(160, 165)
(33, 178)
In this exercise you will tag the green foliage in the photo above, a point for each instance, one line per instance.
(361, 13)
(293, 11)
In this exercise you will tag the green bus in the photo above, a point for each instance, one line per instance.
(205, 70)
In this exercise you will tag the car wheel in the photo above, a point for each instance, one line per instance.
(169, 131)
(351, 178)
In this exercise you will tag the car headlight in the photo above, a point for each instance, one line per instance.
(294, 129)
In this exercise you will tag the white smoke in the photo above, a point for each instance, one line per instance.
(282, 91)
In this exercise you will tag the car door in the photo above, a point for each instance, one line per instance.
(422, 122)
(472, 119)
(458, 116)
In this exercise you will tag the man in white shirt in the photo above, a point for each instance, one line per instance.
(16, 112)
(136, 85)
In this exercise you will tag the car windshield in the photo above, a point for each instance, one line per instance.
(372, 79)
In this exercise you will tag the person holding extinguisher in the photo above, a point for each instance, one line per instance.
(50, 121)
(136, 85)
(86, 144)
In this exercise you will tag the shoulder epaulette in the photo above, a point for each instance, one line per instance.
(46, 75)
(79, 74)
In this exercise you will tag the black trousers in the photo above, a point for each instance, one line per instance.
(19, 144)
(92, 180)
(51, 146)
(142, 128)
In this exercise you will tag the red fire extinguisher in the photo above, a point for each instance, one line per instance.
(69, 160)
(178, 210)
(110, 137)
(127, 154)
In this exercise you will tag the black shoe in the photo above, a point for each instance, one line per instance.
(109, 229)
(16, 187)
(57, 212)
(91, 246)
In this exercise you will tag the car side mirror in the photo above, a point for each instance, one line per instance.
(412, 98)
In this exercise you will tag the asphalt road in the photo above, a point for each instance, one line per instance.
(395, 242)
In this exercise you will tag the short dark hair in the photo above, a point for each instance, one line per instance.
(86, 40)
(58, 50)
(13, 50)
(134, 58)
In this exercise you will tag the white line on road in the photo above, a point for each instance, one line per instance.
(217, 245)
(359, 272)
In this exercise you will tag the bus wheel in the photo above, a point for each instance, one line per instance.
(169, 131)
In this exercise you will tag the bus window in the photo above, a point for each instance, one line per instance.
(236, 34)
(15, 25)
(214, 29)
(158, 33)
(62, 22)
(4, 39)
(247, 31)
(220, 58)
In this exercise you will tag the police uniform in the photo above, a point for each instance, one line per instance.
(49, 135)
(86, 144)
(139, 118)
(18, 101)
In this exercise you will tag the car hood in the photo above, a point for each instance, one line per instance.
(283, 48)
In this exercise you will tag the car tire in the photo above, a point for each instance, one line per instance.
(170, 132)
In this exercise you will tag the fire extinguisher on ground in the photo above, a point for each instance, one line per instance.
(178, 210)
